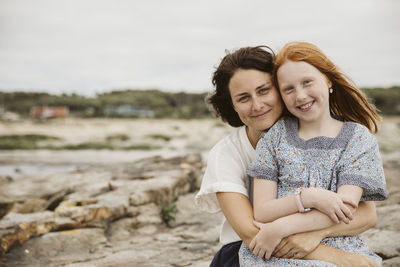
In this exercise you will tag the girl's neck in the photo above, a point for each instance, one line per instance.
(329, 127)
(253, 135)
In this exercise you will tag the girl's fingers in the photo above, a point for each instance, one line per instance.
(261, 253)
(252, 245)
(341, 216)
(256, 250)
(347, 212)
(333, 217)
(267, 255)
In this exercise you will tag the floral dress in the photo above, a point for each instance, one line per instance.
(352, 157)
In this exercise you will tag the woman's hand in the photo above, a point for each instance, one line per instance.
(299, 245)
(266, 240)
(329, 203)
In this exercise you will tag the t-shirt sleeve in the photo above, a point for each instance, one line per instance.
(361, 165)
(264, 165)
(225, 172)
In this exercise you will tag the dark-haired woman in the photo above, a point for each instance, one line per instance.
(245, 98)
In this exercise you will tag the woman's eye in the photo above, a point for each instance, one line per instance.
(263, 90)
(307, 82)
(243, 99)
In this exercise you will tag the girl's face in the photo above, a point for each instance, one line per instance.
(304, 90)
(255, 99)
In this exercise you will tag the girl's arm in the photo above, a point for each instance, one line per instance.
(267, 207)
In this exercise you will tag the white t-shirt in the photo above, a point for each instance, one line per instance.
(226, 172)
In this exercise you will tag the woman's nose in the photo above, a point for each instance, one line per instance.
(257, 103)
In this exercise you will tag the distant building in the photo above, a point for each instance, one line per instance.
(45, 112)
(128, 111)
(8, 115)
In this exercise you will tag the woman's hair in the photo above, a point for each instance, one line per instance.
(346, 100)
(258, 58)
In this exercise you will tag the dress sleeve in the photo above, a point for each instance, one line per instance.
(361, 165)
(264, 165)
(225, 172)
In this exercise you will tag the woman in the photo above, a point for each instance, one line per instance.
(246, 98)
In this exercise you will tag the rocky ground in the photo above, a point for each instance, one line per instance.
(119, 209)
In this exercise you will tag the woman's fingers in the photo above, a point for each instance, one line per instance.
(280, 246)
(281, 252)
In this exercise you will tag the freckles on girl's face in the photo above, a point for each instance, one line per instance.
(304, 90)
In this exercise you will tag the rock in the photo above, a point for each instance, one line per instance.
(393, 262)
(383, 242)
(111, 216)
(58, 248)
(389, 217)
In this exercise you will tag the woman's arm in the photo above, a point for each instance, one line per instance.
(304, 243)
(340, 257)
(239, 213)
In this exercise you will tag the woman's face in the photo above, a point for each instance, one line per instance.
(255, 99)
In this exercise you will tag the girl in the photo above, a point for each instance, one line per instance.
(324, 146)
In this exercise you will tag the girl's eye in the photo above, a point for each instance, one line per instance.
(288, 89)
(307, 82)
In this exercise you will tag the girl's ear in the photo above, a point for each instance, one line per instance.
(329, 83)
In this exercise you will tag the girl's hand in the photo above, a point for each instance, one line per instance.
(329, 203)
(264, 243)
(298, 246)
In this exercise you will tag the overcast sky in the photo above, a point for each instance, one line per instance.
(92, 46)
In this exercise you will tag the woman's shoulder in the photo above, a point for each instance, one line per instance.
(234, 141)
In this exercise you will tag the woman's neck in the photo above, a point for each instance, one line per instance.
(253, 135)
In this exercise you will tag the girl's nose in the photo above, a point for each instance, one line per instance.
(301, 95)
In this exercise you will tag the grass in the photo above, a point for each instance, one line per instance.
(160, 137)
(117, 137)
(27, 141)
(31, 142)
(168, 212)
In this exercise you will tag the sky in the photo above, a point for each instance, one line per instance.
(93, 46)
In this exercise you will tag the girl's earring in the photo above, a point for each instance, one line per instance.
(331, 90)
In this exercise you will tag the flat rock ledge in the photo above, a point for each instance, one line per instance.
(114, 216)
(108, 216)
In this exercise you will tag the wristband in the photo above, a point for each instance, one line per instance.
(299, 204)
